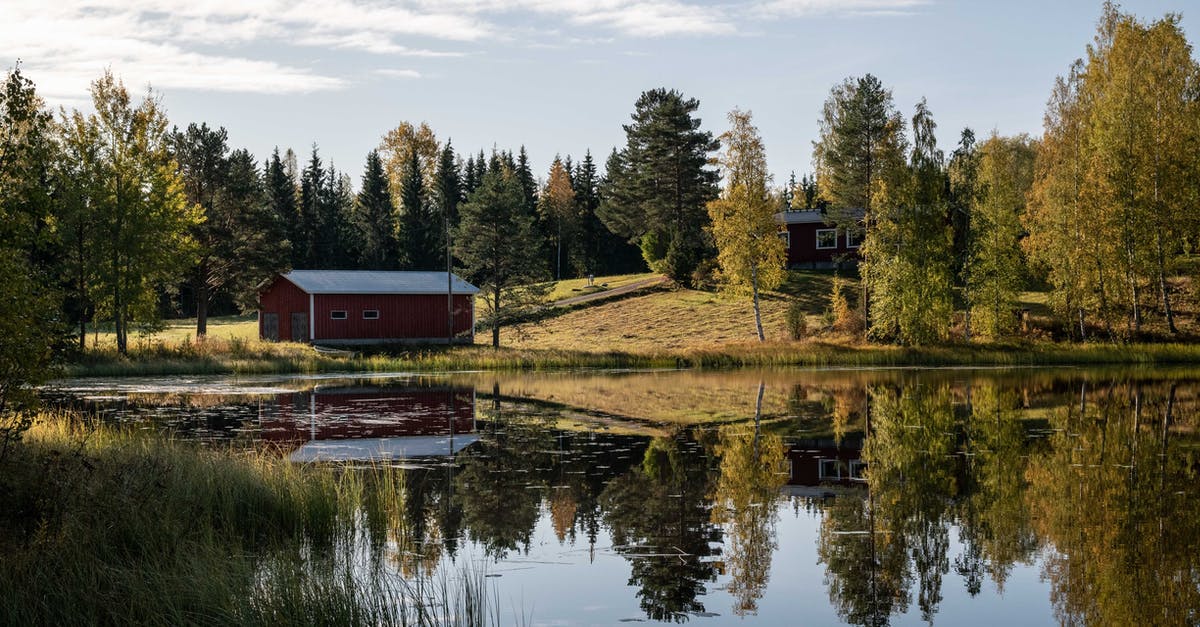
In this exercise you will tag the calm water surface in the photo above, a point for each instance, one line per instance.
(943, 497)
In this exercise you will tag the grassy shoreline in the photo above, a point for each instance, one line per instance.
(262, 358)
(108, 525)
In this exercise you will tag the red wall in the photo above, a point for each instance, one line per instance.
(377, 413)
(803, 248)
(284, 298)
(401, 316)
(410, 316)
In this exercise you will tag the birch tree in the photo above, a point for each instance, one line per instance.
(749, 251)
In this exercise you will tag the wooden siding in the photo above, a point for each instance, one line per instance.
(401, 316)
(802, 248)
(283, 298)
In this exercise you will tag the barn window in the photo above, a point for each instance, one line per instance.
(370, 314)
(337, 314)
(787, 239)
(826, 238)
(853, 239)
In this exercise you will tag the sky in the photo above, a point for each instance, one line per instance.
(557, 76)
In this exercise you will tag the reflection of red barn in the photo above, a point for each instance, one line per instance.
(363, 307)
(347, 423)
(813, 242)
(823, 462)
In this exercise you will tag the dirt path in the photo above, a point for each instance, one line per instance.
(616, 291)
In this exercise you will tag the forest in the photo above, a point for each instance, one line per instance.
(122, 217)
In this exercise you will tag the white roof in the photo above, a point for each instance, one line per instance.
(406, 447)
(375, 282)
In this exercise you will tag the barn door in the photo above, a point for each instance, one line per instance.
(299, 327)
(270, 327)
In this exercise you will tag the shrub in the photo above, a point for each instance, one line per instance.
(797, 320)
(845, 318)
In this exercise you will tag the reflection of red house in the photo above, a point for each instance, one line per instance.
(341, 423)
(823, 462)
(364, 307)
(813, 242)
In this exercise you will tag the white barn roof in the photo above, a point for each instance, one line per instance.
(375, 282)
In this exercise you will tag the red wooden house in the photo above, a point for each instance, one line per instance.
(365, 307)
(814, 242)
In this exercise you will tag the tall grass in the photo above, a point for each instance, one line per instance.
(256, 357)
(102, 525)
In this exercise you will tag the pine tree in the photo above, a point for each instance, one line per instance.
(241, 240)
(859, 156)
(375, 218)
(497, 244)
(750, 253)
(657, 188)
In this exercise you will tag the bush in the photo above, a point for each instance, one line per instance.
(797, 320)
(706, 276)
(845, 318)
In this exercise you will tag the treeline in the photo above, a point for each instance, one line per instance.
(1102, 209)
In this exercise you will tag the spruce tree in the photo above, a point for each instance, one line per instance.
(306, 247)
(419, 229)
(375, 218)
(281, 184)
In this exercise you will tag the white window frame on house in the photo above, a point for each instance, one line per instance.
(837, 469)
(857, 466)
(370, 314)
(786, 236)
(823, 231)
(857, 241)
(338, 314)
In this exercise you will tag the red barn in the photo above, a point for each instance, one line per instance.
(813, 242)
(365, 307)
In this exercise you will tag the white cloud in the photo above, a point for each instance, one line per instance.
(652, 18)
(800, 8)
(393, 73)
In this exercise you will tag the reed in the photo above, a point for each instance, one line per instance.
(105, 525)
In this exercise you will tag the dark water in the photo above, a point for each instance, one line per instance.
(947, 497)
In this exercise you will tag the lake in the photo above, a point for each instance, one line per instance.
(867, 497)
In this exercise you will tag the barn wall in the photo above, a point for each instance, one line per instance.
(284, 298)
(401, 316)
(803, 248)
(374, 413)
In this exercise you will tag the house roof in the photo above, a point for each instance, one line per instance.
(366, 449)
(375, 282)
(809, 217)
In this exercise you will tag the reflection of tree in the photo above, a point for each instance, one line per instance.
(994, 521)
(660, 520)
(1116, 495)
(868, 546)
(747, 492)
(499, 510)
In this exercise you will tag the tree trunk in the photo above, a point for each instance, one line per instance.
(202, 296)
(496, 318)
(757, 313)
(1162, 284)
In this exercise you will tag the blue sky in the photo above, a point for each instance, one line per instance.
(557, 76)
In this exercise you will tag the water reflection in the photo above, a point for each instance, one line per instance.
(370, 423)
(926, 497)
